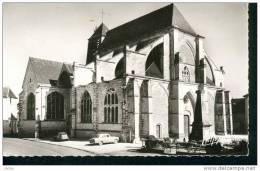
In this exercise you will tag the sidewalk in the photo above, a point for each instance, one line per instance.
(119, 149)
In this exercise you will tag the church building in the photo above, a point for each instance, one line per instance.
(149, 76)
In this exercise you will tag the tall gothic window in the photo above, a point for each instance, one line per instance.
(55, 106)
(186, 74)
(31, 107)
(86, 108)
(111, 107)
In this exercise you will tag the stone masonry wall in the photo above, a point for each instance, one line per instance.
(97, 93)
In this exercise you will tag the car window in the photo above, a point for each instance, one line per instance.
(98, 136)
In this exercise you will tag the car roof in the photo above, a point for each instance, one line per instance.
(103, 134)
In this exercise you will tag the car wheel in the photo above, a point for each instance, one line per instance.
(116, 141)
(100, 143)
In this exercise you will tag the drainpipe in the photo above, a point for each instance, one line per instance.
(41, 103)
(75, 130)
(75, 112)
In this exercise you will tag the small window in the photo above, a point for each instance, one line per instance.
(186, 74)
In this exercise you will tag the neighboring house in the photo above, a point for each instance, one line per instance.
(9, 103)
(9, 111)
(240, 108)
(150, 76)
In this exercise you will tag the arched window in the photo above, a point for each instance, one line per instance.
(86, 108)
(154, 63)
(111, 107)
(55, 106)
(31, 107)
(186, 74)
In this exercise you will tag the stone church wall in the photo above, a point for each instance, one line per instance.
(83, 74)
(160, 112)
(106, 66)
(29, 86)
(51, 128)
(27, 128)
(98, 93)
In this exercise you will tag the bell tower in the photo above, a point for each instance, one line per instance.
(95, 40)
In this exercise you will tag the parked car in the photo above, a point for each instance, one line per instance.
(61, 136)
(103, 138)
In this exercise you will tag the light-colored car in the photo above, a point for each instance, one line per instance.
(62, 136)
(103, 138)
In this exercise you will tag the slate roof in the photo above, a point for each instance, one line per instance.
(8, 93)
(45, 70)
(100, 31)
(158, 20)
(68, 68)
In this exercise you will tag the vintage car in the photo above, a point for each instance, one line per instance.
(61, 136)
(103, 138)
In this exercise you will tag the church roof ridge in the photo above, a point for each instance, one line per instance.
(41, 59)
(160, 19)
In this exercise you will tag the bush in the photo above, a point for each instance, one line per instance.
(213, 146)
(152, 142)
(241, 147)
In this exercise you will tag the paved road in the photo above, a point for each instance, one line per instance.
(20, 147)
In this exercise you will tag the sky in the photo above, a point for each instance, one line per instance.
(60, 32)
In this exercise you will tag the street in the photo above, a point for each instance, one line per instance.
(32, 147)
(20, 147)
